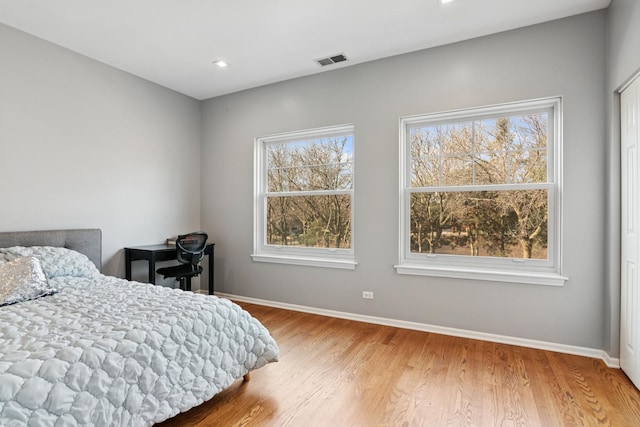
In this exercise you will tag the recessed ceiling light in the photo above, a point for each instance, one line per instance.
(220, 63)
(445, 1)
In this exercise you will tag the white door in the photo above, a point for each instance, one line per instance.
(630, 295)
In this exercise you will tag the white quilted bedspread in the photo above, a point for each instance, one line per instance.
(109, 352)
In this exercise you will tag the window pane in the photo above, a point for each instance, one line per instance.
(503, 150)
(309, 221)
(319, 164)
(425, 157)
(506, 224)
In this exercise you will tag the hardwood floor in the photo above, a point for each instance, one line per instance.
(335, 372)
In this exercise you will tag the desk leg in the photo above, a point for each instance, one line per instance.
(127, 264)
(152, 269)
(211, 272)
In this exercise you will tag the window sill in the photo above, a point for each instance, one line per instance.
(307, 261)
(532, 278)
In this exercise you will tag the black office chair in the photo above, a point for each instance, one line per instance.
(190, 251)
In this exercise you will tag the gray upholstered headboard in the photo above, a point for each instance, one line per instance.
(87, 241)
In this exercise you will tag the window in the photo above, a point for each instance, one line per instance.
(304, 198)
(480, 193)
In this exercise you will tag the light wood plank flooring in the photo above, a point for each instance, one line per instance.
(335, 372)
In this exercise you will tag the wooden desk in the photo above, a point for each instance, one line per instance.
(158, 253)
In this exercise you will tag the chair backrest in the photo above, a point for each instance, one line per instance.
(190, 247)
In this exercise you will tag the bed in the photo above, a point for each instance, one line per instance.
(81, 348)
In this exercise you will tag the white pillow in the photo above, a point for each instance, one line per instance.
(57, 261)
(21, 280)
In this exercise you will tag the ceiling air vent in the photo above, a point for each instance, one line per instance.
(323, 62)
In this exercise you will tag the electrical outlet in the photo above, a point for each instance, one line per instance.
(367, 294)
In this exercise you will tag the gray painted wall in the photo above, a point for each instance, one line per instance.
(623, 59)
(565, 57)
(85, 145)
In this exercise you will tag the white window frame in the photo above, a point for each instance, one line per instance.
(514, 270)
(281, 254)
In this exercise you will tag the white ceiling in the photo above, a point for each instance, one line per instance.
(174, 42)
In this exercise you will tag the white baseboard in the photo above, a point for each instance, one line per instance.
(522, 342)
(612, 362)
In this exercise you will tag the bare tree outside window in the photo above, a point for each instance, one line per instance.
(308, 198)
(476, 187)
